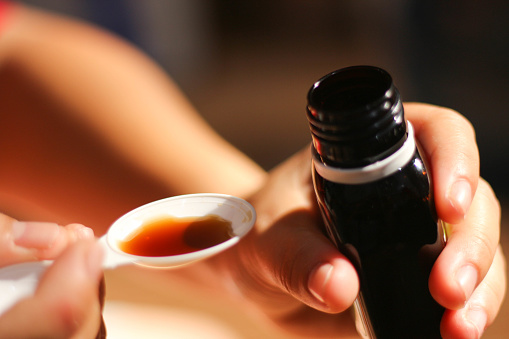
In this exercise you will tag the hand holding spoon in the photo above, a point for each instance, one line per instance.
(20, 280)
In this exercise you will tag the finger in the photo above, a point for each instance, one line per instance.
(482, 308)
(24, 241)
(469, 252)
(448, 141)
(308, 267)
(66, 302)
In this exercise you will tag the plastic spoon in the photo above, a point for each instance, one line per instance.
(20, 280)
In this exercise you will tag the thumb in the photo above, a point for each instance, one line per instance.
(308, 267)
(66, 302)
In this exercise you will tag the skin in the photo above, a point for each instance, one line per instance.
(54, 312)
(72, 160)
(71, 138)
(306, 286)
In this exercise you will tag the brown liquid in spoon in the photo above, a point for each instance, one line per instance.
(173, 236)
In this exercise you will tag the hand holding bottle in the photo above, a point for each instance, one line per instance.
(469, 276)
(297, 283)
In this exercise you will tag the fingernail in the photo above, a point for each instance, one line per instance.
(95, 256)
(466, 277)
(84, 232)
(318, 280)
(34, 234)
(460, 196)
(477, 317)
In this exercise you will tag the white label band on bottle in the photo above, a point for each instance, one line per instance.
(373, 172)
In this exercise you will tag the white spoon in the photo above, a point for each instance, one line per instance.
(20, 280)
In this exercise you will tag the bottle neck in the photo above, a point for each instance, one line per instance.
(356, 117)
(372, 172)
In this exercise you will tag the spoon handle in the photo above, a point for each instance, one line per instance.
(20, 280)
(113, 259)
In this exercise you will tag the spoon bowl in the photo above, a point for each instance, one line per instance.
(238, 212)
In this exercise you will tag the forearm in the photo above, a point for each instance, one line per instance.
(123, 108)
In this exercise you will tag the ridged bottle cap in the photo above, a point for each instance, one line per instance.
(356, 117)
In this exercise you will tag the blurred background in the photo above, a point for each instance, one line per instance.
(247, 65)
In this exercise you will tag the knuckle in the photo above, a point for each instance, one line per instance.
(60, 321)
(493, 288)
(288, 273)
(487, 192)
(453, 116)
(483, 246)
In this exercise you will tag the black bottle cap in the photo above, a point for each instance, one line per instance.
(356, 116)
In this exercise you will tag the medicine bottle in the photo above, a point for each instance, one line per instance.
(376, 198)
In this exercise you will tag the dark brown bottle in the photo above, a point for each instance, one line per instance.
(375, 196)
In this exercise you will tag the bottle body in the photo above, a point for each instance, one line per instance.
(389, 231)
(378, 209)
